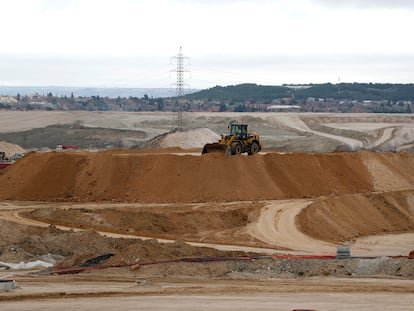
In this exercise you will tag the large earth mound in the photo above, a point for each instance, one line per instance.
(195, 138)
(10, 149)
(346, 217)
(27, 243)
(121, 175)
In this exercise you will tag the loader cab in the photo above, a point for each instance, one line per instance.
(239, 130)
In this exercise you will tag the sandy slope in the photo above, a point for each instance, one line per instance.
(343, 187)
(275, 227)
(196, 138)
(124, 176)
(128, 176)
(10, 149)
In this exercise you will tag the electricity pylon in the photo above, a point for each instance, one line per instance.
(180, 70)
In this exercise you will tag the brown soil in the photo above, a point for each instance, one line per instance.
(215, 223)
(121, 175)
(343, 218)
(342, 187)
(350, 195)
(390, 171)
(27, 243)
(169, 150)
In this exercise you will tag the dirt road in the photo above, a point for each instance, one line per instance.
(397, 134)
(275, 227)
(271, 302)
(296, 123)
(384, 135)
(11, 212)
(101, 293)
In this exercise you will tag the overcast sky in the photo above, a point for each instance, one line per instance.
(129, 43)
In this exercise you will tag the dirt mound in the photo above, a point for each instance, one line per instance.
(26, 243)
(120, 175)
(195, 138)
(219, 223)
(10, 149)
(342, 218)
(150, 250)
(390, 171)
(170, 150)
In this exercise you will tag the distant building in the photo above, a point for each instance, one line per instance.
(297, 86)
(8, 100)
(285, 108)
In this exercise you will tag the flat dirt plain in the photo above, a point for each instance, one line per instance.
(298, 132)
(169, 229)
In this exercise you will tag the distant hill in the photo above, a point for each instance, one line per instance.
(87, 91)
(242, 92)
(352, 91)
(237, 93)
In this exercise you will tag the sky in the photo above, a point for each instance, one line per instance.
(131, 43)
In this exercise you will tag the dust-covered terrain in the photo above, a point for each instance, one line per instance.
(299, 132)
(164, 227)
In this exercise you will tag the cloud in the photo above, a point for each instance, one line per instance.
(234, 39)
(56, 4)
(409, 4)
(367, 4)
(209, 2)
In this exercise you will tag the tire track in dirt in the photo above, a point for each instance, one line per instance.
(296, 123)
(15, 217)
(384, 136)
(276, 226)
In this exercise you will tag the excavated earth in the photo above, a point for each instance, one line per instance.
(152, 209)
(136, 208)
(10, 149)
(350, 195)
(128, 176)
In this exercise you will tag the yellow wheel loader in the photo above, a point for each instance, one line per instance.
(238, 141)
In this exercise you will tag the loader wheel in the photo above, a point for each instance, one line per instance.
(236, 148)
(254, 148)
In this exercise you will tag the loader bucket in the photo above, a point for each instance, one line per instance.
(216, 148)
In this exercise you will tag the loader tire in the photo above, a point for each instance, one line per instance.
(254, 148)
(236, 148)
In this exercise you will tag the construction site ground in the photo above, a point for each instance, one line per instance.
(169, 229)
(287, 132)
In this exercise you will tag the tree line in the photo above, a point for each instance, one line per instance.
(349, 91)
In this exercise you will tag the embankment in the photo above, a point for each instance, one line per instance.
(128, 176)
